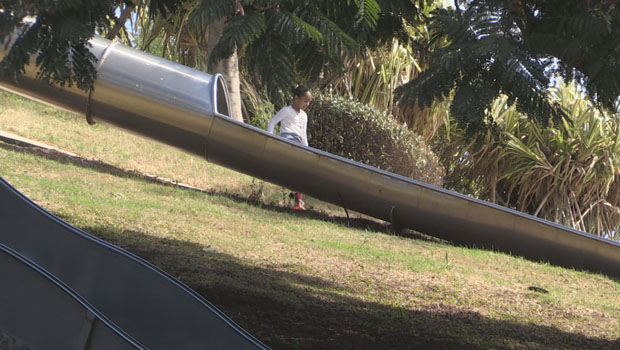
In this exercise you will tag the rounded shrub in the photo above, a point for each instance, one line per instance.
(361, 133)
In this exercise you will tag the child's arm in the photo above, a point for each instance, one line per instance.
(304, 134)
(275, 120)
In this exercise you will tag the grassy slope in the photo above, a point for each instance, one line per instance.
(302, 280)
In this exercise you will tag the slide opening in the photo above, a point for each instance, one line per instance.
(222, 101)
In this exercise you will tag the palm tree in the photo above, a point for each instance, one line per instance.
(566, 172)
(283, 42)
(515, 48)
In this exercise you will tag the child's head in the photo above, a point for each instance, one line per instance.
(302, 98)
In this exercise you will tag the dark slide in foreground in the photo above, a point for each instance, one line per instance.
(32, 299)
(76, 275)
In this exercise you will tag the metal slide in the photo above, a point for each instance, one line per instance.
(32, 299)
(143, 301)
(188, 109)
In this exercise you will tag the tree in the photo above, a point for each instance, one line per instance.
(282, 41)
(228, 67)
(58, 35)
(517, 48)
(286, 41)
(566, 172)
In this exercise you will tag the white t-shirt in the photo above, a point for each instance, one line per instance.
(290, 122)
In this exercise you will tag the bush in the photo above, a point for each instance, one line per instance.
(361, 133)
(261, 113)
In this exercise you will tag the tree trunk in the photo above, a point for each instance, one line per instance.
(229, 68)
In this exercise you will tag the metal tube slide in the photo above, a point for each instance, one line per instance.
(145, 302)
(137, 92)
(154, 110)
(40, 312)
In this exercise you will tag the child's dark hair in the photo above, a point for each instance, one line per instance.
(300, 91)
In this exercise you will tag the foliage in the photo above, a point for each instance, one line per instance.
(281, 42)
(286, 41)
(259, 109)
(566, 172)
(58, 33)
(171, 36)
(355, 131)
(513, 48)
(372, 77)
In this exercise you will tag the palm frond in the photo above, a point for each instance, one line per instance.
(291, 27)
(335, 39)
(272, 64)
(240, 32)
(311, 62)
(211, 11)
(368, 12)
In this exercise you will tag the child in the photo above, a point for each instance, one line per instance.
(293, 123)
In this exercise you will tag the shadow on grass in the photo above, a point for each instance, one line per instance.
(288, 310)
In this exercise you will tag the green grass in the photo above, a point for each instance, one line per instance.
(301, 280)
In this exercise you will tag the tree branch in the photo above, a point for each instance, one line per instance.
(121, 22)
